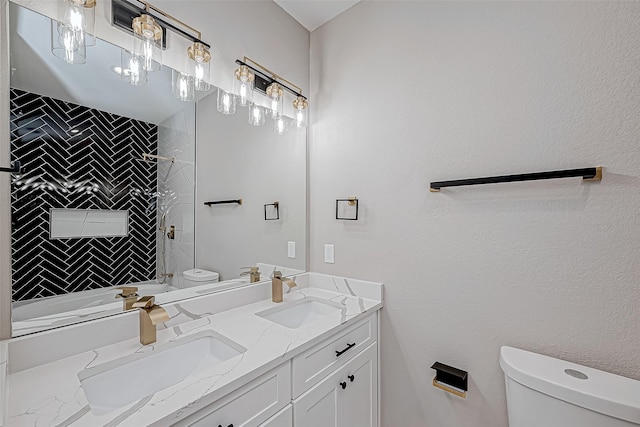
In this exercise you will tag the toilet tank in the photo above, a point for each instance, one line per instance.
(547, 392)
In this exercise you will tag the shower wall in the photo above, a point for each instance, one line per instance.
(79, 158)
(176, 191)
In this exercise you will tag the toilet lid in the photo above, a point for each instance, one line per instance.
(199, 275)
(586, 387)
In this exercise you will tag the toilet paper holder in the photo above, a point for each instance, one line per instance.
(450, 379)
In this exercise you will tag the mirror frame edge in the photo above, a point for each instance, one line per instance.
(5, 179)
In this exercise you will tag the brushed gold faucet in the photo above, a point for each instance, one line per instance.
(276, 285)
(150, 315)
(129, 296)
(253, 273)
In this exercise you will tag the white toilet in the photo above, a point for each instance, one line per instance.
(198, 276)
(547, 392)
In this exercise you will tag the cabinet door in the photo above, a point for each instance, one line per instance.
(337, 401)
(358, 404)
(248, 406)
(283, 418)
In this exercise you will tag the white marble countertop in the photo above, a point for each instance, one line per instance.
(51, 394)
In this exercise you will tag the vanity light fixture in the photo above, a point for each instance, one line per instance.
(199, 65)
(252, 76)
(75, 31)
(275, 95)
(149, 26)
(147, 41)
(243, 85)
(301, 105)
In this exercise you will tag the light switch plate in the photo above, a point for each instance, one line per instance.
(329, 254)
(291, 249)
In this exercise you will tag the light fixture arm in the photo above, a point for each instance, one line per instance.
(271, 76)
(165, 19)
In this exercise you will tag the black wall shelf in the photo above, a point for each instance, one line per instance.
(587, 174)
(224, 202)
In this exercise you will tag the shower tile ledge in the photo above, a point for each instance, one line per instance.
(51, 394)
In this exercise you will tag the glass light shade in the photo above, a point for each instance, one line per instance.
(226, 102)
(243, 85)
(147, 42)
(200, 65)
(301, 107)
(66, 45)
(132, 69)
(275, 96)
(257, 115)
(281, 125)
(182, 86)
(80, 15)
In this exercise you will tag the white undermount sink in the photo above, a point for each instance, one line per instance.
(122, 381)
(301, 312)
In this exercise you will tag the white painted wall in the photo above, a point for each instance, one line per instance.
(410, 92)
(236, 160)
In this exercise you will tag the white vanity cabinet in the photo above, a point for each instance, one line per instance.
(250, 405)
(332, 384)
(346, 398)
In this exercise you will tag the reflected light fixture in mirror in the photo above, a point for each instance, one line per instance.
(75, 31)
(182, 86)
(226, 102)
(147, 42)
(281, 125)
(199, 65)
(257, 115)
(243, 85)
(132, 68)
(275, 94)
(65, 45)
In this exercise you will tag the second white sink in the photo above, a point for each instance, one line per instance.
(120, 382)
(301, 312)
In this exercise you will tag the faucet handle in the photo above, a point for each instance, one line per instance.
(277, 275)
(251, 270)
(145, 302)
(127, 291)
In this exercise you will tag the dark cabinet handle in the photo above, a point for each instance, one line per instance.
(230, 425)
(349, 347)
(343, 385)
(351, 377)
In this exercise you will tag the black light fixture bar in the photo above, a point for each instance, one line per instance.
(124, 12)
(269, 79)
(588, 174)
(224, 202)
(16, 168)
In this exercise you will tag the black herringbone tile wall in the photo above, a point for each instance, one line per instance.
(79, 158)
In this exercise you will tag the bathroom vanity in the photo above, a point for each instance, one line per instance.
(240, 360)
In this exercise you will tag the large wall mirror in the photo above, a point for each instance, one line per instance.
(115, 183)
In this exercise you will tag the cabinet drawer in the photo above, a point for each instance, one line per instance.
(312, 366)
(283, 418)
(248, 406)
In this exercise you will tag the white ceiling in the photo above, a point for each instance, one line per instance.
(313, 13)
